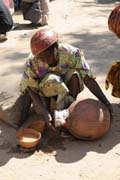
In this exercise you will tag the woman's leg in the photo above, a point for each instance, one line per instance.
(53, 86)
(25, 7)
(32, 11)
(26, 104)
(74, 83)
(45, 11)
(74, 86)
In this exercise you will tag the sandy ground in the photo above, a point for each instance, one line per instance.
(82, 23)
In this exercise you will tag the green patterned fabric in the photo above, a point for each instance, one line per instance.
(52, 81)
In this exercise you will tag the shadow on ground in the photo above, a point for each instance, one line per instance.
(67, 150)
(95, 47)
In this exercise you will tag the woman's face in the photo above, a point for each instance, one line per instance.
(50, 56)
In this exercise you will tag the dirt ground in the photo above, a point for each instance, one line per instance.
(82, 23)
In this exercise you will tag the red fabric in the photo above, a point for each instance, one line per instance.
(7, 3)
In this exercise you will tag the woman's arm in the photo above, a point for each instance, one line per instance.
(40, 108)
(93, 86)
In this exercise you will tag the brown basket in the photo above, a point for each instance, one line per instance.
(28, 137)
(38, 125)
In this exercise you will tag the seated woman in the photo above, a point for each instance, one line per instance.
(55, 74)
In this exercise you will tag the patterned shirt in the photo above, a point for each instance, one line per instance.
(70, 58)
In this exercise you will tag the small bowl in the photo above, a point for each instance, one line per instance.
(28, 137)
(38, 125)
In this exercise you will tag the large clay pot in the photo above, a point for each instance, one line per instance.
(88, 119)
(114, 21)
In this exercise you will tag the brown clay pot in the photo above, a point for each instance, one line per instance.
(28, 137)
(114, 21)
(38, 125)
(88, 119)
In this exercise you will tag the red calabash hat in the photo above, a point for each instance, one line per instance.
(42, 39)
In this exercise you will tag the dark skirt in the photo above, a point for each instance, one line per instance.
(6, 21)
(31, 11)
